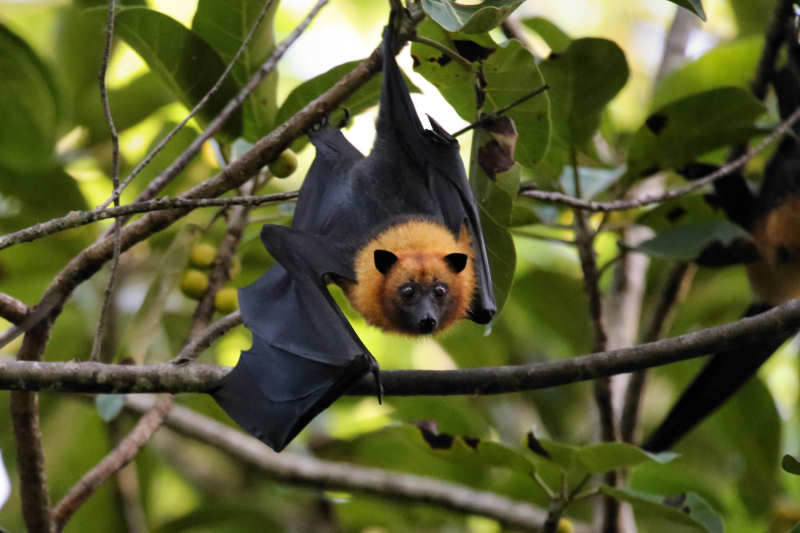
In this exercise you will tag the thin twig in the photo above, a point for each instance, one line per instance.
(677, 284)
(494, 114)
(99, 335)
(622, 205)
(119, 457)
(206, 97)
(81, 218)
(199, 343)
(449, 52)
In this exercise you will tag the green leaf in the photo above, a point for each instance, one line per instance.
(553, 36)
(680, 132)
(182, 60)
(692, 209)
(729, 64)
(694, 511)
(593, 180)
(695, 6)
(224, 25)
(478, 18)
(582, 79)
(28, 105)
(510, 74)
(685, 242)
(752, 16)
(364, 98)
(791, 464)
(109, 405)
(606, 456)
(62, 195)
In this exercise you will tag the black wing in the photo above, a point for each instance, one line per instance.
(304, 353)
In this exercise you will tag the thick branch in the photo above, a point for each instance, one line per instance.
(97, 377)
(329, 475)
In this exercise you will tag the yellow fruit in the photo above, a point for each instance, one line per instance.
(194, 283)
(235, 268)
(565, 525)
(284, 165)
(202, 255)
(226, 301)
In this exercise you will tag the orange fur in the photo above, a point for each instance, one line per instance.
(420, 246)
(776, 279)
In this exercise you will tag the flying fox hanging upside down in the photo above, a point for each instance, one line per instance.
(772, 255)
(398, 230)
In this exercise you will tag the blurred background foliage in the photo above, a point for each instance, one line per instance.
(55, 156)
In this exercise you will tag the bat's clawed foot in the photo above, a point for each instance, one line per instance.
(376, 373)
(345, 120)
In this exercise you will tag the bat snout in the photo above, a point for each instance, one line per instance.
(427, 325)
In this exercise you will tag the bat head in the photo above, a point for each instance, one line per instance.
(414, 278)
(422, 291)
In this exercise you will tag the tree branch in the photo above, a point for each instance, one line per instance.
(329, 475)
(74, 219)
(35, 496)
(104, 378)
(99, 335)
(12, 309)
(622, 205)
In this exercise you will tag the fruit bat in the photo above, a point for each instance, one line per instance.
(772, 254)
(398, 230)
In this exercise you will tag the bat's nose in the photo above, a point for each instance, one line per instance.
(427, 325)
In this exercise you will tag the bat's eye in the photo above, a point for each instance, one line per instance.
(407, 292)
(440, 291)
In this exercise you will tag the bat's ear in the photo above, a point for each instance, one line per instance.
(456, 262)
(384, 259)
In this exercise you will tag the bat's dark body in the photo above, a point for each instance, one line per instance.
(774, 266)
(305, 354)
